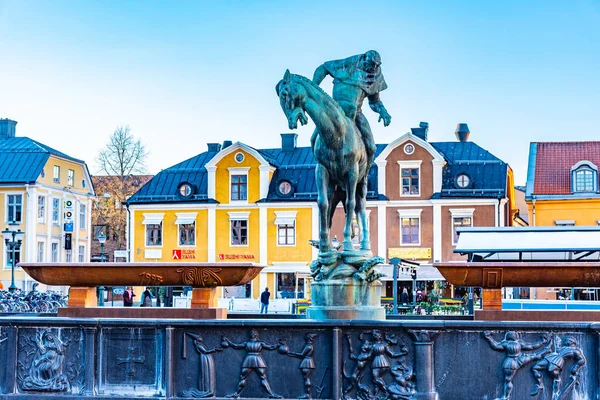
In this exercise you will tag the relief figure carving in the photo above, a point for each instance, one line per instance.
(207, 378)
(307, 365)
(515, 359)
(46, 370)
(253, 362)
(554, 363)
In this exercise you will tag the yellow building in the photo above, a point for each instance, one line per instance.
(39, 186)
(562, 188)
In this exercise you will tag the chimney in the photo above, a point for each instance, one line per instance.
(288, 141)
(421, 131)
(462, 132)
(7, 128)
(226, 144)
(214, 147)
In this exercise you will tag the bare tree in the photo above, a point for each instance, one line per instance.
(124, 155)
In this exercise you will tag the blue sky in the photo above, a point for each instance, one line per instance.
(182, 74)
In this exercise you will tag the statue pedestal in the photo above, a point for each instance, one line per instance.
(347, 298)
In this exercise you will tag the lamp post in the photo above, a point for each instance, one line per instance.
(13, 239)
(101, 239)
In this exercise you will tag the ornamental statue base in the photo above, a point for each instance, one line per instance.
(348, 299)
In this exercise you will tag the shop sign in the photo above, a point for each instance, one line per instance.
(68, 226)
(223, 257)
(187, 254)
(410, 253)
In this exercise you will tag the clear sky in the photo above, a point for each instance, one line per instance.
(182, 74)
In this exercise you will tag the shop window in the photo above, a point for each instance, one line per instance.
(14, 208)
(239, 232)
(239, 187)
(154, 234)
(286, 286)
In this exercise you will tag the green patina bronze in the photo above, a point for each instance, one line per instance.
(344, 149)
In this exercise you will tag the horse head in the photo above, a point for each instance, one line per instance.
(292, 96)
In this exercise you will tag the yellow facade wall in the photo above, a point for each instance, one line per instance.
(170, 236)
(301, 251)
(585, 212)
(64, 165)
(222, 189)
(223, 237)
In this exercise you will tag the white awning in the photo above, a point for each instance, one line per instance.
(238, 215)
(424, 273)
(185, 218)
(285, 217)
(531, 243)
(153, 218)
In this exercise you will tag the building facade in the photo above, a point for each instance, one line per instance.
(238, 203)
(46, 194)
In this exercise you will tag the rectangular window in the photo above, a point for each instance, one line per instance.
(40, 252)
(71, 178)
(54, 252)
(56, 174)
(286, 286)
(459, 222)
(82, 219)
(187, 234)
(239, 232)
(239, 187)
(55, 211)
(15, 207)
(286, 235)
(564, 222)
(41, 214)
(410, 181)
(9, 257)
(154, 234)
(69, 256)
(410, 230)
(81, 254)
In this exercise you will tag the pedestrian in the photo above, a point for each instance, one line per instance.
(420, 297)
(264, 301)
(404, 298)
(128, 297)
(147, 298)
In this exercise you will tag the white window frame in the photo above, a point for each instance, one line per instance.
(57, 251)
(409, 164)
(459, 213)
(581, 166)
(564, 222)
(81, 253)
(286, 218)
(56, 201)
(71, 177)
(154, 219)
(56, 174)
(82, 216)
(412, 213)
(41, 251)
(239, 171)
(239, 216)
(41, 209)
(186, 219)
(8, 257)
(7, 209)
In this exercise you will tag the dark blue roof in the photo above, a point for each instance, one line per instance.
(487, 173)
(22, 159)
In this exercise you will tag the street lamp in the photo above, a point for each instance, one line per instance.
(13, 239)
(101, 239)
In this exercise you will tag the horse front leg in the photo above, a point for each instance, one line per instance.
(361, 215)
(351, 183)
(322, 177)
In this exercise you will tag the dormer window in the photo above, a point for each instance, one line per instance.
(584, 177)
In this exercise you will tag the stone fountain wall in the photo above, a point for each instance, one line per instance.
(451, 360)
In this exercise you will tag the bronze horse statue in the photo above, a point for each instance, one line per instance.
(342, 166)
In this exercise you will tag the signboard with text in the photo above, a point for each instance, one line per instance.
(410, 253)
(224, 257)
(187, 254)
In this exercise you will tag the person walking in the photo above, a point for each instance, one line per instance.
(404, 298)
(264, 301)
(128, 297)
(146, 298)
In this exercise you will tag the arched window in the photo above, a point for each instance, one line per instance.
(584, 177)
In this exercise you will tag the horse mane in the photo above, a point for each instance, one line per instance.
(320, 89)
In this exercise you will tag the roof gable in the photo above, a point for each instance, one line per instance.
(236, 147)
(405, 138)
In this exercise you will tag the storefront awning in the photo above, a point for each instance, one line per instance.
(530, 243)
(424, 273)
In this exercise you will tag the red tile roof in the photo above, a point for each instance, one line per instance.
(554, 161)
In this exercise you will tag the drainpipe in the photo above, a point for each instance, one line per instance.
(128, 232)
(533, 211)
